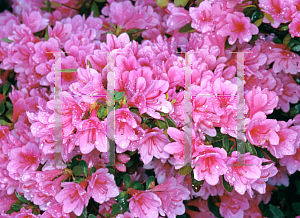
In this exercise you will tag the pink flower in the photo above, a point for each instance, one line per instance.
(34, 20)
(150, 99)
(178, 18)
(102, 186)
(24, 213)
(292, 162)
(294, 26)
(242, 176)
(55, 210)
(283, 60)
(209, 164)
(261, 100)
(152, 144)
(238, 26)
(171, 194)
(6, 201)
(125, 215)
(233, 205)
(73, 197)
(90, 134)
(121, 12)
(281, 178)
(144, 204)
(260, 130)
(23, 159)
(206, 16)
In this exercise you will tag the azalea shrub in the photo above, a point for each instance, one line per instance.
(148, 165)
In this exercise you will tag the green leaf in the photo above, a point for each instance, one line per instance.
(187, 29)
(284, 28)
(185, 170)
(269, 17)
(130, 163)
(250, 148)
(6, 40)
(196, 185)
(127, 180)
(92, 216)
(84, 213)
(78, 179)
(77, 170)
(75, 162)
(213, 208)
(277, 41)
(85, 167)
(9, 114)
(296, 207)
(107, 215)
(162, 3)
(277, 213)
(9, 105)
(287, 39)
(256, 15)
(72, 70)
(16, 207)
(115, 209)
(100, 1)
(55, 4)
(122, 200)
(225, 142)
(95, 9)
(2, 108)
(296, 48)
(136, 185)
(258, 22)
(119, 96)
(92, 170)
(227, 186)
(150, 181)
(22, 198)
(3, 122)
(46, 34)
(170, 122)
(161, 124)
(181, 3)
(6, 87)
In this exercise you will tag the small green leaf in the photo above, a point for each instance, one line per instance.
(3, 122)
(150, 181)
(2, 108)
(55, 4)
(287, 39)
(95, 9)
(9, 105)
(115, 209)
(92, 170)
(100, 1)
(250, 148)
(9, 114)
(185, 170)
(161, 124)
(119, 96)
(296, 48)
(130, 163)
(225, 142)
(107, 215)
(78, 179)
(77, 171)
(187, 29)
(85, 167)
(136, 185)
(127, 180)
(92, 216)
(213, 208)
(162, 3)
(297, 183)
(296, 207)
(256, 15)
(258, 22)
(75, 162)
(269, 17)
(16, 207)
(181, 3)
(227, 186)
(277, 41)
(47, 34)
(277, 213)
(170, 122)
(84, 213)
(284, 28)
(6, 87)
(22, 198)
(72, 70)
(6, 40)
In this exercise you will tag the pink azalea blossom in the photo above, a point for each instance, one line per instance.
(152, 144)
(73, 197)
(238, 26)
(34, 20)
(233, 205)
(23, 159)
(102, 186)
(144, 204)
(281, 178)
(294, 26)
(209, 164)
(292, 162)
(178, 18)
(172, 195)
(240, 176)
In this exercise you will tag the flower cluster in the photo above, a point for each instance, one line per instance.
(58, 157)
